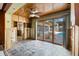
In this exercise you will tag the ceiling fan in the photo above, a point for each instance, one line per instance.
(34, 13)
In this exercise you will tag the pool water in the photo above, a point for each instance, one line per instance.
(59, 37)
(61, 34)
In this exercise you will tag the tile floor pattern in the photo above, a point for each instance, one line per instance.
(2, 53)
(37, 48)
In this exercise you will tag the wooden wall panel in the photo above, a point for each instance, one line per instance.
(2, 27)
(77, 14)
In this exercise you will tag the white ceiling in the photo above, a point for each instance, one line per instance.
(1, 4)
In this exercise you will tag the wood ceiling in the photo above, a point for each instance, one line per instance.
(24, 11)
(43, 8)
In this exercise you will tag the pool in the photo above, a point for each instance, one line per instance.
(61, 34)
(59, 37)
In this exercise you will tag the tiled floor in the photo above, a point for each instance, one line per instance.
(37, 48)
(1, 53)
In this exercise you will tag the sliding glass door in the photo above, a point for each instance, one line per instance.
(53, 30)
(40, 31)
(47, 32)
(44, 31)
(59, 31)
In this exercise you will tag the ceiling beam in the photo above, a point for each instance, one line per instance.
(6, 6)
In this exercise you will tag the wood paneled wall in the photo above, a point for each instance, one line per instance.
(77, 14)
(76, 30)
(2, 27)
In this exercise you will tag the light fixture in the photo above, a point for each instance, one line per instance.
(34, 13)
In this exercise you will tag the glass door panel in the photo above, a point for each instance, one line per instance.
(47, 31)
(40, 31)
(59, 31)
